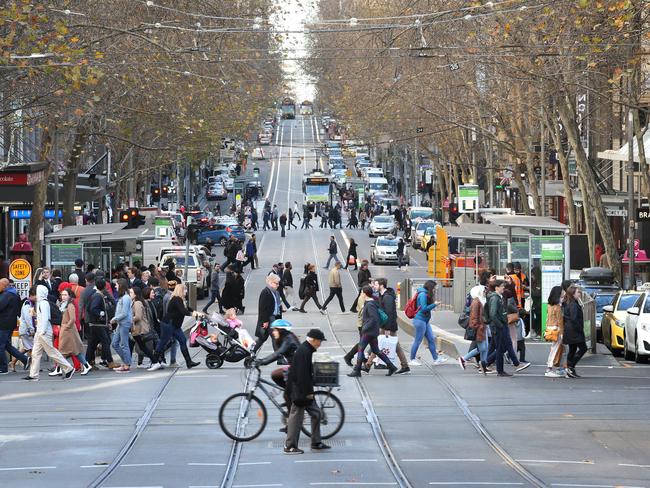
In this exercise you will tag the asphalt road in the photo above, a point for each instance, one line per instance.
(439, 426)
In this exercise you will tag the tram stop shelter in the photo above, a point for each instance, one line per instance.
(104, 245)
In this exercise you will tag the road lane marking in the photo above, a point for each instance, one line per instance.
(337, 460)
(268, 190)
(574, 485)
(440, 460)
(140, 465)
(471, 483)
(553, 461)
(267, 485)
(353, 483)
(635, 465)
(27, 468)
(255, 463)
(206, 464)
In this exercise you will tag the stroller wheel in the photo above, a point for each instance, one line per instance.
(212, 361)
(248, 362)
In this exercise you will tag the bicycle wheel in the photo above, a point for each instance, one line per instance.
(332, 415)
(242, 417)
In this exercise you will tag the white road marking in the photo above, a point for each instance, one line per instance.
(93, 466)
(157, 486)
(27, 468)
(635, 465)
(206, 464)
(337, 460)
(353, 483)
(255, 463)
(269, 485)
(594, 486)
(440, 460)
(472, 483)
(553, 461)
(268, 190)
(140, 465)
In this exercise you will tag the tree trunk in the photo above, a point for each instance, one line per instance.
(40, 197)
(523, 196)
(588, 210)
(70, 178)
(564, 167)
(566, 110)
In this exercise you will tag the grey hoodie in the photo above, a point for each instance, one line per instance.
(43, 323)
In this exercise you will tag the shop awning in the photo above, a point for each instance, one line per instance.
(103, 232)
(622, 153)
(473, 231)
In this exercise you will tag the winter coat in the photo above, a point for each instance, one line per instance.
(476, 319)
(370, 318)
(141, 323)
(311, 284)
(43, 322)
(69, 341)
(334, 278)
(387, 302)
(10, 305)
(301, 383)
(285, 348)
(363, 277)
(230, 293)
(574, 326)
(497, 310)
(333, 248)
(554, 317)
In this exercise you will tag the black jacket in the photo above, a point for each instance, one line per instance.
(388, 304)
(265, 308)
(353, 249)
(10, 305)
(52, 289)
(287, 278)
(82, 276)
(574, 326)
(285, 347)
(96, 307)
(301, 382)
(176, 312)
(311, 283)
(363, 277)
(333, 248)
(370, 318)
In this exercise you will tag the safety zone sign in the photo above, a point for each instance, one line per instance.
(20, 271)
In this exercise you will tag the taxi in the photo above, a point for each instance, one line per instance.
(428, 236)
(612, 325)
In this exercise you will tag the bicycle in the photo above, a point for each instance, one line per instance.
(242, 411)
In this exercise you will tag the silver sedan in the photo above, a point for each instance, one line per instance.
(382, 225)
(384, 251)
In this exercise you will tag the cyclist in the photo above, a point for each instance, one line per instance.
(285, 344)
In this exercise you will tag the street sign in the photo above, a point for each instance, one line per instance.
(615, 212)
(642, 214)
(20, 271)
(468, 198)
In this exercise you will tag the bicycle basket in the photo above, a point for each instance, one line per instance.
(326, 374)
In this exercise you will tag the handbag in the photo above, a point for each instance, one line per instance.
(351, 260)
(470, 334)
(513, 318)
(551, 333)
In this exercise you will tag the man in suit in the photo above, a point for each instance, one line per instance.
(269, 309)
(133, 274)
(78, 270)
(52, 288)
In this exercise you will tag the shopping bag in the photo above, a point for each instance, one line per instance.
(351, 261)
(387, 345)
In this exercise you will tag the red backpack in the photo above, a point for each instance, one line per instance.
(412, 306)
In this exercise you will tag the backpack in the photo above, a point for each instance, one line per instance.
(383, 317)
(412, 306)
(55, 314)
(486, 311)
(109, 307)
(157, 301)
(301, 289)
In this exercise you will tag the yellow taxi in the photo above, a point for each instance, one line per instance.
(612, 325)
(428, 237)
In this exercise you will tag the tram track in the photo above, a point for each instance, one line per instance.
(474, 420)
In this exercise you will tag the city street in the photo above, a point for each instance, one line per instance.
(438, 426)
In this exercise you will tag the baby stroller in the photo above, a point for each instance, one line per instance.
(231, 345)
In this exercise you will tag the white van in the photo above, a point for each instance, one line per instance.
(373, 172)
(376, 184)
(420, 213)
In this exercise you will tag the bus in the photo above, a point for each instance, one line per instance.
(288, 108)
(316, 188)
(306, 108)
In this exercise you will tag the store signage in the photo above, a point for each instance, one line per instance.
(21, 179)
(468, 198)
(642, 214)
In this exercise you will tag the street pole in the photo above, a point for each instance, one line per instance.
(542, 159)
(630, 201)
(416, 193)
(56, 179)
(491, 172)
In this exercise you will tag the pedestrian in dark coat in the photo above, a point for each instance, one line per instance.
(269, 308)
(574, 331)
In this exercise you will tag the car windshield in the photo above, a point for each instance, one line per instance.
(601, 301)
(425, 225)
(179, 260)
(386, 242)
(626, 301)
(383, 220)
(421, 214)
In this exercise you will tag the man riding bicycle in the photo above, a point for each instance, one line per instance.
(285, 343)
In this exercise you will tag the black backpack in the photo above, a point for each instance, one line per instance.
(157, 301)
(56, 316)
(109, 307)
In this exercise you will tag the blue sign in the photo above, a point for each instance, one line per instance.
(27, 213)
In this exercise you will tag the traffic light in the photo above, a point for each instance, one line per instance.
(165, 191)
(131, 217)
(453, 212)
(155, 194)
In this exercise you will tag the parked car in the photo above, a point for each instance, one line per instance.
(219, 233)
(612, 325)
(636, 340)
(217, 191)
(264, 138)
(384, 251)
(382, 225)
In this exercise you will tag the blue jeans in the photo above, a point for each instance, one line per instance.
(170, 333)
(423, 330)
(503, 345)
(329, 260)
(214, 297)
(400, 260)
(481, 348)
(5, 345)
(121, 343)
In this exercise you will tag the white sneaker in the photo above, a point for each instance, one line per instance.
(414, 362)
(57, 372)
(144, 366)
(440, 360)
(155, 367)
(553, 374)
(85, 369)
